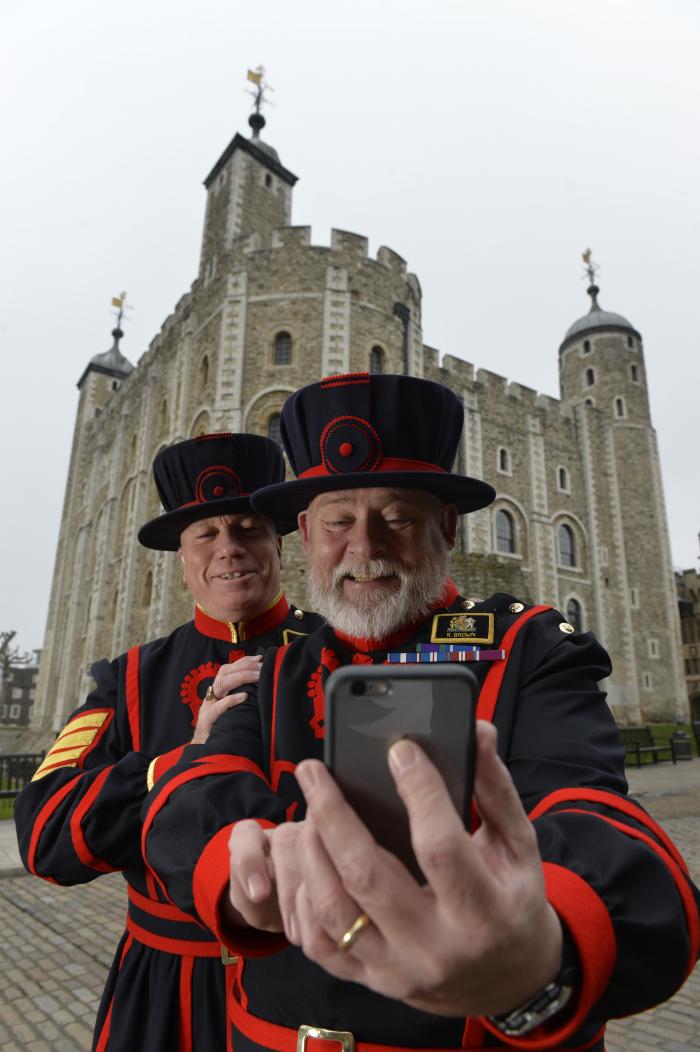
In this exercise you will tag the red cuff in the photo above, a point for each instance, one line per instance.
(588, 922)
(211, 883)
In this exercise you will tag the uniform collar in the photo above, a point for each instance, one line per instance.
(238, 631)
(447, 598)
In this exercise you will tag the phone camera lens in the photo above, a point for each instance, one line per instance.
(359, 687)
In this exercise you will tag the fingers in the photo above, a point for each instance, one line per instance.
(500, 808)
(251, 889)
(373, 880)
(286, 867)
(441, 845)
(231, 677)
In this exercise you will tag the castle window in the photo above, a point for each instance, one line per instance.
(273, 428)
(574, 614)
(586, 346)
(147, 590)
(376, 361)
(563, 480)
(505, 533)
(630, 342)
(268, 180)
(634, 598)
(620, 407)
(283, 349)
(203, 372)
(647, 681)
(590, 377)
(567, 546)
(504, 461)
(589, 401)
(634, 373)
(653, 648)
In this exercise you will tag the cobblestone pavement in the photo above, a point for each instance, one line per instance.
(58, 942)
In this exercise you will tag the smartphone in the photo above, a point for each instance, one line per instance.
(369, 707)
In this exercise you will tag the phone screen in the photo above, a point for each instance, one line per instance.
(370, 707)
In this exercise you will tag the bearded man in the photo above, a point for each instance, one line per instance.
(79, 816)
(531, 930)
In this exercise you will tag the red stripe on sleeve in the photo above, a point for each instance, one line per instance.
(167, 760)
(618, 803)
(679, 877)
(488, 695)
(275, 769)
(133, 699)
(219, 763)
(76, 830)
(588, 921)
(210, 885)
(41, 820)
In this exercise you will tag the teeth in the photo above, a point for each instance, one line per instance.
(230, 576)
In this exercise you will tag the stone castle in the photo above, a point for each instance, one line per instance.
(579, 522)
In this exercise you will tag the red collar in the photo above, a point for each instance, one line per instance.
(237, 632)
(447, 598)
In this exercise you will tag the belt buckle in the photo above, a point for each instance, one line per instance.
(345, 1037)
(226, 957)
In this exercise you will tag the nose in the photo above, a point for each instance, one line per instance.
(367, 538)
(230, 544)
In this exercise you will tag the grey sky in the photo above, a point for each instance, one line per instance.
(487, 141)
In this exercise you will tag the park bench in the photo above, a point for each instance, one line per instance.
(639, 741)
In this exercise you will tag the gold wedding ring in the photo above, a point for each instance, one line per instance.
(354, 931)
(210, 695)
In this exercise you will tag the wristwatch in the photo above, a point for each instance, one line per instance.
(547, 1002)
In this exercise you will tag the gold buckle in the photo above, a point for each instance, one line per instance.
(226, 957)
(346, 1039)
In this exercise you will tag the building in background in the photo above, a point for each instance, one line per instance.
(688, 585)
(17, 697)
(580, 519)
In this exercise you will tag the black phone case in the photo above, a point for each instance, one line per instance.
(370, 706)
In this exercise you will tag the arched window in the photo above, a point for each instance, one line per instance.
(203, 372)
(283, 348)
(273, 428)
(630, 342)
(573, 614)
(590, 377)
(505, 532)
(586, 346)
(567, 546)
(620, 407)
(504, 461)
(563, 476)
(634, 373)
(376, 361)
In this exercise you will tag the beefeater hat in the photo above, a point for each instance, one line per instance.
(361, 429)
(210, 475)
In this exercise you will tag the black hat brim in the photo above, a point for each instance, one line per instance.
(289, 498)
(163, 532)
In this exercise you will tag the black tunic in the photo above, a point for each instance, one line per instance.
(80, 817)
(615, 880)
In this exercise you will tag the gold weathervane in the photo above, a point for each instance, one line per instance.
(257, 77)
(591, 268)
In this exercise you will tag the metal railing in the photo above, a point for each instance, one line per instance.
(16, 769)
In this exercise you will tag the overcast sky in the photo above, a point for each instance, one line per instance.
(489, 142)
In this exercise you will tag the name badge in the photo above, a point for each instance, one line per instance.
(462, 628)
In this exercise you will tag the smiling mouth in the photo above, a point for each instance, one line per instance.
(233, 575)
(364, 578)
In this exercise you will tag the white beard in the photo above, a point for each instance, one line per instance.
(376, 614)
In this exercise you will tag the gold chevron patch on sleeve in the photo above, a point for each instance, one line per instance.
(74, 742)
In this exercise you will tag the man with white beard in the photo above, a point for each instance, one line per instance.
(527, 931)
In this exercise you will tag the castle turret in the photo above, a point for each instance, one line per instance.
(603, 380)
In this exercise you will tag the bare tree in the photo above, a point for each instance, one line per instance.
(10, 656)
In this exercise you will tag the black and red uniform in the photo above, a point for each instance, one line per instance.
(615, 879)
(80, 817)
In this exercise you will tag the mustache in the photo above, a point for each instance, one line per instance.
(366, 568)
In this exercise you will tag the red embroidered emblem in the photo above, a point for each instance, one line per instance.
(191, 684)
(329, 662)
